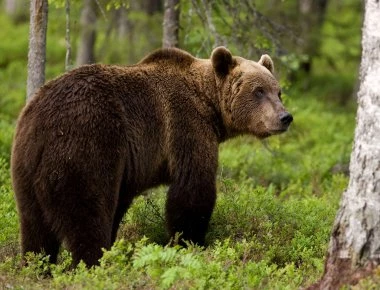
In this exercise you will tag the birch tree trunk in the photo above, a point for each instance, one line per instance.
(171, 23)
(37, 46)
(88, 33)
(354, 249)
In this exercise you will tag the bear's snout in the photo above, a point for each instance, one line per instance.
(286, 118)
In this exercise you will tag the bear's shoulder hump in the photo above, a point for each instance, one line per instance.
(172, 56)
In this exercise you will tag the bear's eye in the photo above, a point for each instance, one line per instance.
(279, 96)
(259, 92)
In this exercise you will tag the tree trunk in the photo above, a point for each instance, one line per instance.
(11, 7)
(312, 18)
(122, 23)
(16, 10)
(151, 6)
(208, 14)
(68, 62)
(126, 32)
(354, 248)
(87, 38)
(37, 45)
(171, 23)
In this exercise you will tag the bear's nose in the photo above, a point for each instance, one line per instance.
(286, 118)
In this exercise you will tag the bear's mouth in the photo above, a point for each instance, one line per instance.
(278, 131)
(265, 131)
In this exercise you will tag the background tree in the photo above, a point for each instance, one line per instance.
(312, 15)
(15, 9)
(171, 23)
(37, 45)
(68, 61)
(86, 48)
(354, 249)
(11, 7)
(151, 6)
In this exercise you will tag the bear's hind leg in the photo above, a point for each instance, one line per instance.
(36, 235)
(84, 214)
(86, 239)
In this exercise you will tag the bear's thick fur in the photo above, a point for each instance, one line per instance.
(94, 138)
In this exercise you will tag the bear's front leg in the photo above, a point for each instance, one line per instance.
(188, 211)
(192, 194)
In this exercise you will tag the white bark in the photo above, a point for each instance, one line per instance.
(358, 221)
(37, 45)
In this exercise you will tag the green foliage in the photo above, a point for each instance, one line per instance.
(14, 50)
(9, 219)
(13, 56)
(144, 265)
(6, 129)
(341, 46)
(146, 217)
(117, 4)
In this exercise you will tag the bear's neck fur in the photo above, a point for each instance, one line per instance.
(198, 72)
(210, 95)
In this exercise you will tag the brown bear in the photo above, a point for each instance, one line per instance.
(94, 138)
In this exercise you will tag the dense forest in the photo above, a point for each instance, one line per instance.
(277, 197)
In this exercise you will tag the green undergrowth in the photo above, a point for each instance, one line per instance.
(257, 240)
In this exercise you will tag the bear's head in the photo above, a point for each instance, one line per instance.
(250, 96)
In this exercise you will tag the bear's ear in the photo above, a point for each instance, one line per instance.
(221, 59)
(266, 61)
